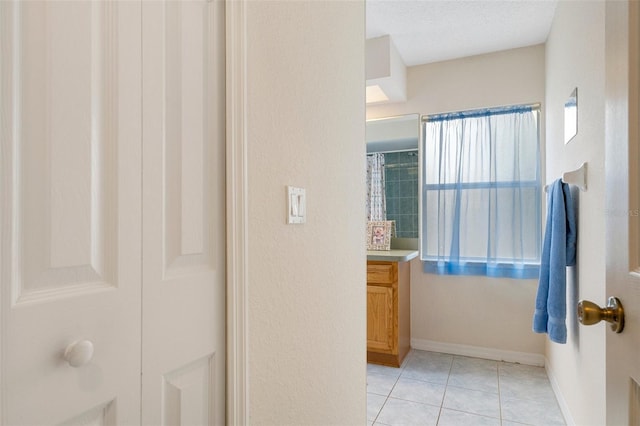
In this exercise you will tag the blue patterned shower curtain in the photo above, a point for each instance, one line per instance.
(376, 200)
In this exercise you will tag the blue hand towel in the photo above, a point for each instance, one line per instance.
(558, 252)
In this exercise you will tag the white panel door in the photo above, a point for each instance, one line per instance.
(183, 351)
(70, 209)
(623, 208)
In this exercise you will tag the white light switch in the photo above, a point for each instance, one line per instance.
(296, 205)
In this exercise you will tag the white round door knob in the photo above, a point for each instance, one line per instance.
(79, 353)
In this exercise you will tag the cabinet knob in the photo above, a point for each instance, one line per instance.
(79, 353)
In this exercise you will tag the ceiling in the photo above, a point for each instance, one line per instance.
(425, 31)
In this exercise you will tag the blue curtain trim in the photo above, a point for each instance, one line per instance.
(482, 185)
(486, 112)
(500, 270)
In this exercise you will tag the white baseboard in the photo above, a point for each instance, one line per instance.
(479, 352)
(564, 407)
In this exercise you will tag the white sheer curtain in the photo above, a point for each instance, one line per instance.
(482, 192)
(376, 200)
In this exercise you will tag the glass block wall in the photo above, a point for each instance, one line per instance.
(401, 188)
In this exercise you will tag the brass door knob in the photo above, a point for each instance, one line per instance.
(589, 313)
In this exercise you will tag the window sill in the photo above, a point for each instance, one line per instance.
(498, 270)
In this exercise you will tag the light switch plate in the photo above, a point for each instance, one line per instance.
(296, 205)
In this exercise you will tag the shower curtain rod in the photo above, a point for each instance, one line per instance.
(393, 152)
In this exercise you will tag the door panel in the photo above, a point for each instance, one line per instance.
(183, 221)
(623, 204)
(187, 393)
(66, 128)
(70, 210)
(103, 415)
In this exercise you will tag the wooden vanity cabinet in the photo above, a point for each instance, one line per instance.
(388, 312)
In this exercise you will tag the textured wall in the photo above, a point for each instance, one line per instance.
(575, 58)
(307, 291)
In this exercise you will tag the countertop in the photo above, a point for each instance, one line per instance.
(393, 255)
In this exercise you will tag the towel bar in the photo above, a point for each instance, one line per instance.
(576, 177)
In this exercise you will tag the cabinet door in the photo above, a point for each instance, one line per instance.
(70, 211)
(380, 319)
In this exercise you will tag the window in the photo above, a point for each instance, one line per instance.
(481, 192)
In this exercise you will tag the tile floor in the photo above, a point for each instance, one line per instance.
(449, 390)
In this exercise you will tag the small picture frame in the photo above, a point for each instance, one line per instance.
(379, 234)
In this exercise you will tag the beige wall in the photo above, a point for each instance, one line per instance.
(494, 79)
(473, 311)
(575, 58)
(307, 283)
